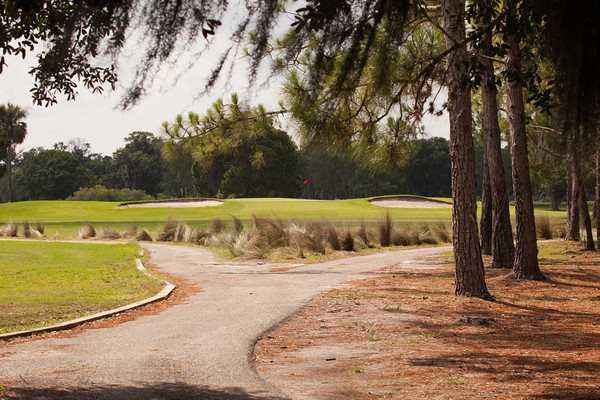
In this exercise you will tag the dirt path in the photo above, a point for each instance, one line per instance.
(202, 349)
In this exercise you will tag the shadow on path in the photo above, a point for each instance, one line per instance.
(162, 391)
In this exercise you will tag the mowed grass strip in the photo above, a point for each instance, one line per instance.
(64, 218)
(95, 211)
(44, 283)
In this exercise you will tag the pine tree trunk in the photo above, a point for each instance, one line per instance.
(485, 223)
(597, 199)
(526, 262)
(573, 219)
(503, 248)
(587, 221)
(469, 274)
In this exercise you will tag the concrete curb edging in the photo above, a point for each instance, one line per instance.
(163, 294)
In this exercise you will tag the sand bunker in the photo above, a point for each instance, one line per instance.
(176, 204)
(410, 203)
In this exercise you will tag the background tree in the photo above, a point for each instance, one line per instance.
(237, 151)
(469, 274)
(498, 230)
(138, 163)
(13, 131)
(47, 174)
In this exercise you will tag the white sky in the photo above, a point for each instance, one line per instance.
(98, 120)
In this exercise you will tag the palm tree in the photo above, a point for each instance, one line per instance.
(13, 130)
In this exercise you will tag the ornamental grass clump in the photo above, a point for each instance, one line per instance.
(363, 235)
(109, 234)
(168, 232)
(348, 242)
(333, 238)
(385, 231)
(87, 231)
(440, 231)
(544, 227)
(143, 236)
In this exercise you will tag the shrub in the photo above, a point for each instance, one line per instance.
(272, 233)
(312, 239)
(544, 228)
(168, 232)
(87, 231)
(143, 236)
(238, 227)
(440, 231)
(333, 238)
(109, 234)
(217, 226)
(184, 233)
(426, 237)
(385, 231)
(402, 238)
(102, 193)
(131, 232)
(561, 231)
(348, 242)
(10, 230)
(26, 230)
(363, 235)
(40, 228)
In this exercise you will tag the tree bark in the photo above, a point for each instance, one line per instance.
(503, 248)
(526, 262)
(485, 223)
(597, 199)
(587, 221)
(573, 218)
(469, 273)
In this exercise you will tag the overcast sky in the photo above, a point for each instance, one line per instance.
(98, 120)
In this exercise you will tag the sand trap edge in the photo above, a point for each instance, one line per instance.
(416, 201)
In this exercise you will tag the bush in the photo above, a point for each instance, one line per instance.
(385, 231)
(363, 235)
(237, 225)
(10, 230)
(313, 238)
(143, 236)
(109, 234)
(403, 238)
(333, 239)
(544, 228)
(87, 231)
(102, 193)
(217, 226)
(168, 232)
(426, 237)
(348, 242)
(440, 231)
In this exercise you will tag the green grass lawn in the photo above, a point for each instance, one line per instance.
(44, 283)
(63, 218)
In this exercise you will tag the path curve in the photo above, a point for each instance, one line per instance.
(202, 349)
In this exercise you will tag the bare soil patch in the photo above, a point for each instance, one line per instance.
(404, 335)
(175, 204)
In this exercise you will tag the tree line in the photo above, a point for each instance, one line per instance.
(251, 160)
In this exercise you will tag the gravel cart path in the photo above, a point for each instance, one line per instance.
(201, 349)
